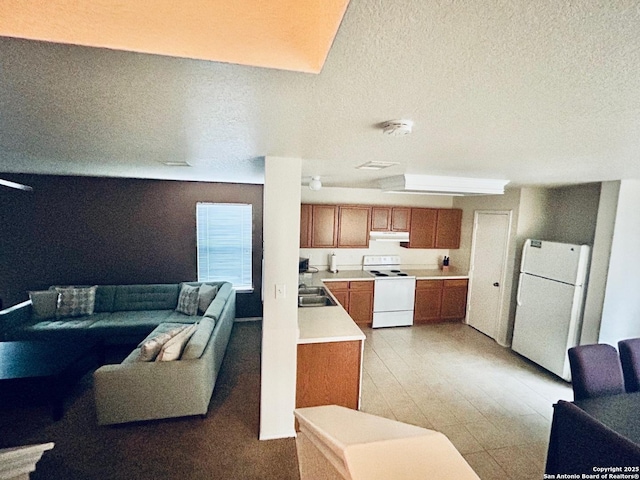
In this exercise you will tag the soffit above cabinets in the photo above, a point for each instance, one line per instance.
(283, 34)
(437, 185)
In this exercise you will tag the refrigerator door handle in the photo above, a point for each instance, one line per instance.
(524, 254)
(518, 302)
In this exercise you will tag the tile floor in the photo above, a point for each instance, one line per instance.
(495, 406)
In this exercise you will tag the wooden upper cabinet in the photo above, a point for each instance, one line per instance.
(422, 228)
(400, 219)
(353, 226)
(448, 228)
(305, 225)
(380, 219)
(324, 226)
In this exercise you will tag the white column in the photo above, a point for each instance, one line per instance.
(281, 232)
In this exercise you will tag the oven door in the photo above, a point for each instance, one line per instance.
(394, 294)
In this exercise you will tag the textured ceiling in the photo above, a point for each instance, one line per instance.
(540, 93)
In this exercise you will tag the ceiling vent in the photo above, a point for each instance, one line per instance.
(397, 128)
(176, 163)
(373, 165)
(433, 185)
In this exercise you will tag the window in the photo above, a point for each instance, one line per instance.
(224, 243)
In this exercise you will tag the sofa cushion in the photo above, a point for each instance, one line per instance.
(75, 301)
(172, 349)
(206, 294)
(44, 304)
(199, 340)
(62, 325)
(135, 323)
(150, 349)
(105, 294)
(188, 300)
(146, 297)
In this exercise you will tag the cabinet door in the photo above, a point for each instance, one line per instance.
(353, 227)
(340, 291)
(454, 300)
(328, 374)
(428, 301)
(305, 225)
(400, 218)
(422, 228)
(448, 228)
(361, 302)
(380, 219)
(324, 226)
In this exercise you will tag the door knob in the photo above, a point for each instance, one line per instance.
(496, 284)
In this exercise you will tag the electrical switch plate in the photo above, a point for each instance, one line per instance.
(281, 291)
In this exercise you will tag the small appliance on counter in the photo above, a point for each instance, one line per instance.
(303, 265)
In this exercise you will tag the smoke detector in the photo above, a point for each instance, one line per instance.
(397, 128)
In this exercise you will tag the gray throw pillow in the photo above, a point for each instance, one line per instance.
(188, 300)
(206, 294)
(44, 303)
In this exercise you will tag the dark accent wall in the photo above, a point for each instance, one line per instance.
(88, 230)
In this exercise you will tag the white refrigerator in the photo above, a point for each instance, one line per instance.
(550, 300)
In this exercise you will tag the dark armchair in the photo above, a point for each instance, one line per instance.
(595, 371)
(630, 359)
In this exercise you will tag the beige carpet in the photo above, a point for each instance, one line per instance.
(224, 445)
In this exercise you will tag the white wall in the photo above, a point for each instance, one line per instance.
(621, 309)
(351, 258)
(281, 231)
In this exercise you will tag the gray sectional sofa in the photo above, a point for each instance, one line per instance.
(143, 390)
(123, 314)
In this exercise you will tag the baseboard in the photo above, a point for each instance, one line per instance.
(249, 319)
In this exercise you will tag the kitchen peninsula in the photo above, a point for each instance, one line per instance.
(331, 344)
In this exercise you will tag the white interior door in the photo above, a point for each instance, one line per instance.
(487, 274)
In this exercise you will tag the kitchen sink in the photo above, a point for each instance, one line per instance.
(315, 301)
(311, 291)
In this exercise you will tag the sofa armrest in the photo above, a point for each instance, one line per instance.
(148, 390)
(217, 305)
(14, 318)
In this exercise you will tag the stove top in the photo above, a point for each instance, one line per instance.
(388, 273)
(383, 266)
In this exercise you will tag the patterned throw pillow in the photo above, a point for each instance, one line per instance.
(188, 300)
(149, 350)
(173, 348)
(75, 301)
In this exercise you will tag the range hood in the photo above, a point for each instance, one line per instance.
(434, 185)
(389, 236)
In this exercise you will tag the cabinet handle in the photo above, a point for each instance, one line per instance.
(496, 284)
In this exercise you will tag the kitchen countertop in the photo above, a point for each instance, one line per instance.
(348, 275)
(326, 324)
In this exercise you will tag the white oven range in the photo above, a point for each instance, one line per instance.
(394, 291)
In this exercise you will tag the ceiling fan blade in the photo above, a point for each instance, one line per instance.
(19, 186)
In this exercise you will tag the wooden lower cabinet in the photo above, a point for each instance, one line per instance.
(454, 299)
(428, 301)
(329, 374)
(440, 300)
(356, 297)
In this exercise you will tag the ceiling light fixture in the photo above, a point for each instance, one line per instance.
(397, 128)
(176, 163)
(434, 185)
(315, 183)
